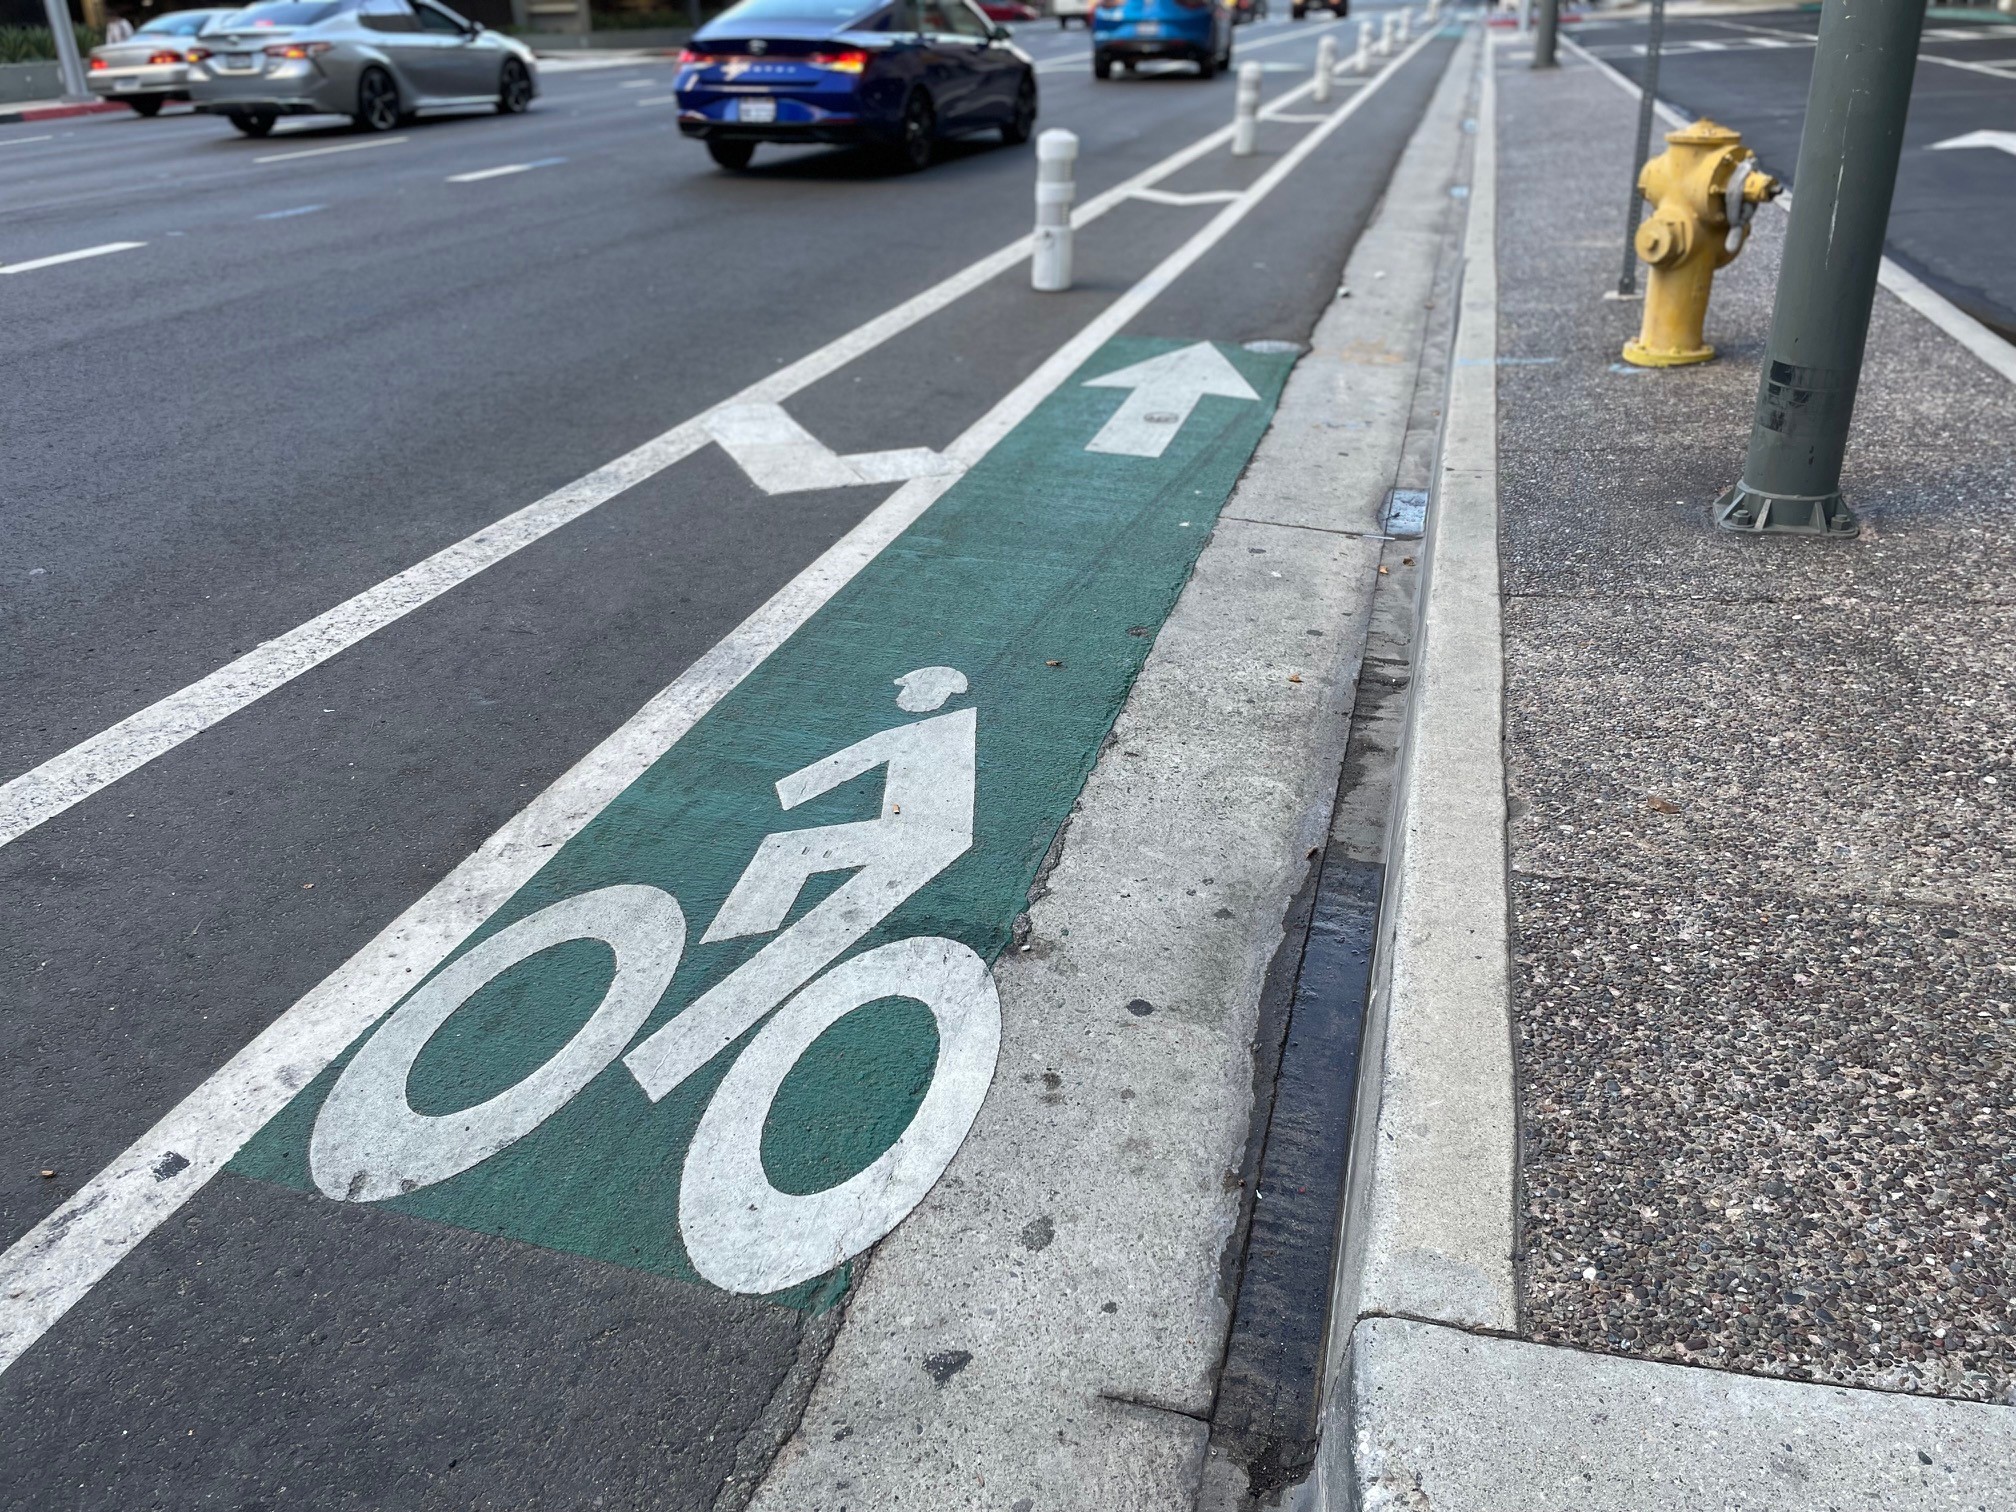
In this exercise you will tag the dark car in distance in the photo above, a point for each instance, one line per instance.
(899, 74)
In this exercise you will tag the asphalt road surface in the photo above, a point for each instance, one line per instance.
(1955, 207)
(371, 468)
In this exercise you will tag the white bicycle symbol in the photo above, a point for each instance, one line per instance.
(740, 1232)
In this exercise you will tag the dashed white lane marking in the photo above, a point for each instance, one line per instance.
(671, 99)
(68, 257)
(291, 213)
(308, 152)
(489, 173)
(23, 141)
(1202, 196)
(636, 83)
(48, 1270)
(67, 779)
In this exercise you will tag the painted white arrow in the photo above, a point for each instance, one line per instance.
(1166, 389)
(781, 456)
(2003, 140)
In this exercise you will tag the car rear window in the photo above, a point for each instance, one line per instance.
(284, 13)
(834, 13)
(184, 24)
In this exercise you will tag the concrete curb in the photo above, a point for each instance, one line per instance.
(12, 114)
(1436, 1218)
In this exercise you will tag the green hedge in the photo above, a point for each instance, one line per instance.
(37, 44)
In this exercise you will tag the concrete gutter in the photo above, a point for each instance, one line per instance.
(1436, 1403)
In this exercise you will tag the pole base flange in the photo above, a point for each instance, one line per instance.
(1751, 511)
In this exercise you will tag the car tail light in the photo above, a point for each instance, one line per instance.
(850, 60)
(687, 55)
(198, 54)
(1193, 4)
(97, 63)
(165, 57)
(298, 49)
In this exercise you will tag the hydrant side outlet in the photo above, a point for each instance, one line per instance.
(1703, 189)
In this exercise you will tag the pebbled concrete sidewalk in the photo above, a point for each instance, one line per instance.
(1758, 846)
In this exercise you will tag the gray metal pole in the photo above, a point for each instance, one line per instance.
(1627, 281)
(1543, 44)
(68, 60)
(1848, 153)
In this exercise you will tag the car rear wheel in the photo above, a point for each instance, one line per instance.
(254, 123)
(514, 89)
(1102, 67)
(919, 139)
(1207, 66)
(146, 105)
(1015, 130)
(377, 101)
(733, 156)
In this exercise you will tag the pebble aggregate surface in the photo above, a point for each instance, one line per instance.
(1764, 863)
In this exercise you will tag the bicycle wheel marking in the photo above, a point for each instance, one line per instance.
(846, 836)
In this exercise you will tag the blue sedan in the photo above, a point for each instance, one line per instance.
(901, 75)
(1131, 32)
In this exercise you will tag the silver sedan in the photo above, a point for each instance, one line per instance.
(151, 67)
(376, 61)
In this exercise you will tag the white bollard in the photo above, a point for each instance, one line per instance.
(1246, 111)
(1406, 24)
(1386, 36)
(1056, 158)
(1362, 59)
(1326, 69)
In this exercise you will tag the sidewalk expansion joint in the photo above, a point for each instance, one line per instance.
(1329, 530)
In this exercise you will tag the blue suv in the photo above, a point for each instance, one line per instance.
(1192, 31)
(899, 74)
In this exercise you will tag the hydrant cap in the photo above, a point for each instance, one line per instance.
(1703, 133)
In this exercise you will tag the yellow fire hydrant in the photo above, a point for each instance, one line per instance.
(1704, 188)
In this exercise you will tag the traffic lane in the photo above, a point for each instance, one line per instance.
(567, 312)
(918, 390)
(110, 162)
(352, 1298)
(1952, 208)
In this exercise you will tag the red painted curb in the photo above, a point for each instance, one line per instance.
(58, 112)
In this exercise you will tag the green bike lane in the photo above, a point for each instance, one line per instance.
(529, 1131)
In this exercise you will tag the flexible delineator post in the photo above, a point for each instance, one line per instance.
(1246, 112)
(1056, 188)
(1326, 69)
(1862, 71)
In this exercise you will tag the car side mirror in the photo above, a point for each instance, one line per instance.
(1000, 34)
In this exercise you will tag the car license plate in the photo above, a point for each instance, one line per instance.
(237, 60)
(1148, 28)
(756, 112)
(126, 83)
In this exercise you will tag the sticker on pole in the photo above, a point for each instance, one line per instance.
(739, 1025)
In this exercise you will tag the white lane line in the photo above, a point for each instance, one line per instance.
(671, 99)
(290, 214)
(68, 257)
(508, 168)
(1995, 353)
(43, 792)
(636, 83)
(50, 1268)
(1204, 196)
(308, 152)
(24, 141)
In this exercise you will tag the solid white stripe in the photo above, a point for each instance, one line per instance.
(40, 794)
(308, 152)
(69, 257)
(50, 1268)
(21, 141)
